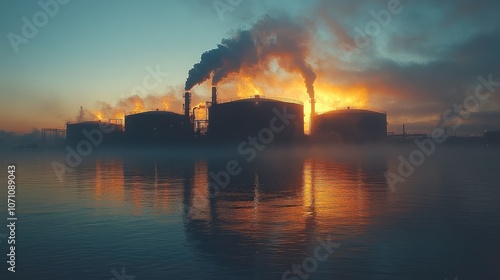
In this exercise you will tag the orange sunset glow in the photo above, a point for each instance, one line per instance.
(244, 140)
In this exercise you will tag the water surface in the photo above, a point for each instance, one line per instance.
(155, 214)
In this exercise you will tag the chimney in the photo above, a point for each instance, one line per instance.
(313, 113)
(214, 95)
(187, 104)
(82, 114)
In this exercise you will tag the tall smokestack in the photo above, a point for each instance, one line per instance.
(187, 103)
(214, 95)
(82, 114)
(313, 113)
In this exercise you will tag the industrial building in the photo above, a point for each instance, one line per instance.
(349, 126)
(157, 127)
(238, 119)
(77, 132)
(160, 127)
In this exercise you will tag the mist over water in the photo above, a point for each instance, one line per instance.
(155, 213)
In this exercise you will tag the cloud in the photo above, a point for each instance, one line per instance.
(428, 58)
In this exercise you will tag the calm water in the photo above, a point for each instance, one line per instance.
(152, 214)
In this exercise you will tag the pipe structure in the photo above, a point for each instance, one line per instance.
(214, 95)
(187, 104)
(313, 113)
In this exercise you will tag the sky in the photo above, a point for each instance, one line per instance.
(411, 59)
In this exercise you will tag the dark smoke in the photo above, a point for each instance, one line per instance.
(271, 38)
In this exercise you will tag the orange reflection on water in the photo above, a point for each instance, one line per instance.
(333, 196)
(160, 195)
(154, 185)
(305, 198)
(142, 184)
(340, 195)
(136, 196)
(199, 196)
(109, 181)
(308, 190)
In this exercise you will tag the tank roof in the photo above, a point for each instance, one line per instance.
(260, 99)
(89, 122)
(155, 113)
(351, 111)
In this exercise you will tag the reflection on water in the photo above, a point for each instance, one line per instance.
(270, 216)
(157, 216)
(109, 181)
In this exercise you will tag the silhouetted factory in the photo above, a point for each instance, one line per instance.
(97, 132)
(234, 121)
(157, 127)
(238, 119)
(350, 126)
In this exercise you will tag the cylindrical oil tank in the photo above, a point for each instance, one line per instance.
(275, 121)
(157, 127)
(350, 126)
(95, 132)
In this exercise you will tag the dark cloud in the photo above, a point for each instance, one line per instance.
(426, 59)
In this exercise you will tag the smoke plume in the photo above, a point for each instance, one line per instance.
(279, 39)
(169, 101)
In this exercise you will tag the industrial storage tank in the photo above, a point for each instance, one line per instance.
(158, 127)
(95, 132)
(350, 126)
(277, 121)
